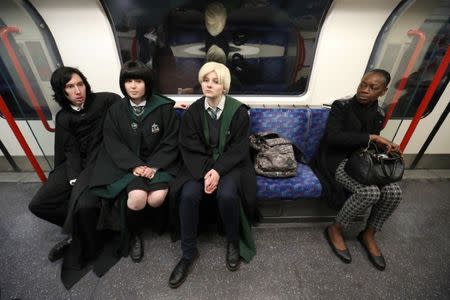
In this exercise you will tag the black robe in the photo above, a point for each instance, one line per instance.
(120, 154)
(348, 128)
(77, 139)
(198, 158)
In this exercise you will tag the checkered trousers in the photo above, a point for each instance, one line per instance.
(383, 200)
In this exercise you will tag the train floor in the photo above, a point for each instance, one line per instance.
(293, 260)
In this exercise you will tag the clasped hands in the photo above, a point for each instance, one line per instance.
(144, 171)
(211, 181)
(388, 145)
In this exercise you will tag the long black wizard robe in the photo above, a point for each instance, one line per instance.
(77, 139)
(232, 157)
(78, 133)
(120, 153)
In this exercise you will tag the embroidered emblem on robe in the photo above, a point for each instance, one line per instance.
(134, 126)
(155, 128)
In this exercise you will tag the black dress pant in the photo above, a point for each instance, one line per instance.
(52, 199)
(227, 195)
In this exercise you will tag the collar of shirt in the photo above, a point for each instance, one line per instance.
(143, 103)
(77, 108)
(221, 105)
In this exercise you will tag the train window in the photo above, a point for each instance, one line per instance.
(268, 45)
(28, 56)
(411, 46)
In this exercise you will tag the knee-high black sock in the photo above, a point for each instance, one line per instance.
(135, 221)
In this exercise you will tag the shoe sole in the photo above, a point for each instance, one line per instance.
(232, 269)
(334, 248)
(174, 286)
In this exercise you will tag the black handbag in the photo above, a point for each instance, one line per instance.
(372, 166)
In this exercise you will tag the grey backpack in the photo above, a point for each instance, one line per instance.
(274, 156)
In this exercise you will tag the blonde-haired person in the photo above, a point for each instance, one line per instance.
(217, 168)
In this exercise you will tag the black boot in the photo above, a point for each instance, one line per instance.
(233, 257)
(57, 251)
(136, 248)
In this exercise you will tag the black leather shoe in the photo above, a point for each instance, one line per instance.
(233, 257)
(344, 255)
(57, 251)
(378, 261)
(136, 248)
(181, 271)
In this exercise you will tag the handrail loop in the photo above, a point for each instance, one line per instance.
(23, 78)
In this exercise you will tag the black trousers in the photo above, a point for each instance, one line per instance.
(52, 199)
(227, 195)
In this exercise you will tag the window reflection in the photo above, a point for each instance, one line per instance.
(267, 45)
(395, 49)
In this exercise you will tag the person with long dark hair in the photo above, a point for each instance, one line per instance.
(78, 135)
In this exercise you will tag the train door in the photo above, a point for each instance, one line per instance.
(412, 46)
(28, 56)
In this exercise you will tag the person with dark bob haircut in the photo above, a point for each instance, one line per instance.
(139, 156)
(64, 199)
(352, 124)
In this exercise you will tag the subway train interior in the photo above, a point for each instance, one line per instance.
(285, 57)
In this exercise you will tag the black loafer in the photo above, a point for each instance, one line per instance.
(181, 271)
(378, 261)
(233, 258)
(57, 251)
(136, 249)
(343, 255)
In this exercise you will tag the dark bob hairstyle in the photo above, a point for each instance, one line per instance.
(135, 69)
(60, 78)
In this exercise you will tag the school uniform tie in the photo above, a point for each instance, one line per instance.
(138, 110)
(213, 112)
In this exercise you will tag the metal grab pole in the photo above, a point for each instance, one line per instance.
(28, 89)
(426, 99)
(12, 123)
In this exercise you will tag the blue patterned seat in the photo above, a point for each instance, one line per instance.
(304, 127)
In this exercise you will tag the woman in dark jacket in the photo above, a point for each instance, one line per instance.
(213, 141)
(352, 123)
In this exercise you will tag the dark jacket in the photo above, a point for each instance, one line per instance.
(79, 133)
(348, 128)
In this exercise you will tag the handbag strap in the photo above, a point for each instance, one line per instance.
(383, 166)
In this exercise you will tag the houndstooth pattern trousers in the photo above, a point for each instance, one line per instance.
(383, 200)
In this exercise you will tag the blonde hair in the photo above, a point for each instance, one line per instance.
(215, 18)
(221, 70)
(215, 53)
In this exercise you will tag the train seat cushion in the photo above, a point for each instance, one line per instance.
(305, 128)
(304, 185)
